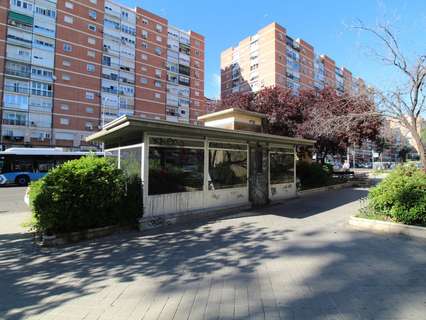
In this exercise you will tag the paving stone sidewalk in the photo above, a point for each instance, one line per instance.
(296, 260)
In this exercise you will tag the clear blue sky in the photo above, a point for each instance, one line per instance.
(324, 24)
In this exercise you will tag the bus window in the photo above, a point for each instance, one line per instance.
(45, 165)
(24, 165)
(2, 163)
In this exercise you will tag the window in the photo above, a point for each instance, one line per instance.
(158, 51)
(66, 77)
(144, 45)
(158, 73)
(65, 107)
(89, 109)
(157, 95)
(92, 14)
(144, 34)
(175, 165)
(144, 69)
(90, 67)
(91, 53)
(144, 56)
(64, 121)
(46, 12)
(91, 41)
(90, 95)
(67, 47)
(66, 63)
(91, 27)
(131, 161)
(281, 166)
(157, 84)
(144, 21)
(159, 28)
(41, 89)
(88, 126)
(158, 38)
(68, 19)
(23, 5)
(69, 5)
(93, 1)
(144, 80)
(227, 165)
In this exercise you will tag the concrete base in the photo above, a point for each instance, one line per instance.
(154, 222)
(71, 237)
(387, 227)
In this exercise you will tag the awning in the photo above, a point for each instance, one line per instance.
(20, 18)
(128, 130)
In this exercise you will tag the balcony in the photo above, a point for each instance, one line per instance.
(16, 89)
(18, 73)
(15, 122)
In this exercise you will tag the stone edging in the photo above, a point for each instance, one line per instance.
(326, 188)
(71, 237)
(387, 227)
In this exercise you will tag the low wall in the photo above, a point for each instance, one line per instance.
(386, 227)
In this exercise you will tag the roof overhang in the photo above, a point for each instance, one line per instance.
(230, 112)
(126, 129)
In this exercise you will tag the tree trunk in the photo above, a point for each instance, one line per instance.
(419, 147)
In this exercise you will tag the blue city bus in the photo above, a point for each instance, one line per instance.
(22, 165)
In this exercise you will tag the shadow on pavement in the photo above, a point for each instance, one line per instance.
(362, 276)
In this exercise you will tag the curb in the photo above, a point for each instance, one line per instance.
(326, 188)
(385, 227)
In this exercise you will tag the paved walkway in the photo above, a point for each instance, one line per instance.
(297, 260)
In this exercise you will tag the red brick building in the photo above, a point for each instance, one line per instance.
(68, 67)
(272, 58)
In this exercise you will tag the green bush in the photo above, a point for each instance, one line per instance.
(401, 196)
(312, 175)
(86, 193)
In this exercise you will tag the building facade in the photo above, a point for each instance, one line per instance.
(272, 58)
(69, 67)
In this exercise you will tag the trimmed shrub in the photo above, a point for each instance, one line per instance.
(85, 193)
(401, 196)
(312, 175)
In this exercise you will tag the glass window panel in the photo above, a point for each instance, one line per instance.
(173, 170)
(227, 169)
(131, 161)
(281, 167)
(112, 155)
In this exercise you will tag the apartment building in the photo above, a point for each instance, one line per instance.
(68, 67)
(272, 58)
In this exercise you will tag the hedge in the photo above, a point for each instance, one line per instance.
(401, 196)
(85, 193)
(312, 175)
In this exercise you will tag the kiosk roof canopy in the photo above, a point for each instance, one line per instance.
(130, 130)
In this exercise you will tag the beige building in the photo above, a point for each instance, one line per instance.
(272, 58)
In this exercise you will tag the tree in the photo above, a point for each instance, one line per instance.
(337, 121)
(334, 121)
(404, 103)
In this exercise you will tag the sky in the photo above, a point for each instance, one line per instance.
(327, 25)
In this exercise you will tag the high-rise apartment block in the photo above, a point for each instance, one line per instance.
(272, 58)
(67, 67)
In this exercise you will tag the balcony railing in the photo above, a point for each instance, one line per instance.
(15, 122)
(18, 73)
(16, 89)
